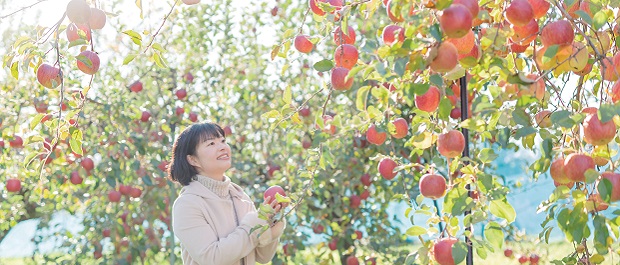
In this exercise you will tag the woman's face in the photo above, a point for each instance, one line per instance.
(212, 157)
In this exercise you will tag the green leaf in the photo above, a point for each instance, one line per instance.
(129, 58)
(525, 131)
(36, 120)
(608, 111)
(502, 209)
(445, 107)
(147, 180)
(583, 15)
(494, 234)
(15, 70)
(550, 53)
(111, 181)
(323, 65)
(416, 231)
(604, 189)
(139, 5)
(159, 61)
(597, 259)
(436, 32)
(77, 42)
(158, 47)
(287, 96)
(85, 60)
(135, 36)
(600, 19)
(437, 80)
(562, 118)
(76, 146)
(29, 158)
(487, 155)
(400, 66)
(459, 252)
(361, 99)
(521, 117)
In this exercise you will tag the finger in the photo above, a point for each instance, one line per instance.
(267, 200)
(274, 203)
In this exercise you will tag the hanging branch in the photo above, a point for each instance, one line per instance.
(160, 27)
(22, 9)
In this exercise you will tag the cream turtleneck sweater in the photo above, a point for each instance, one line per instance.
(220, 188)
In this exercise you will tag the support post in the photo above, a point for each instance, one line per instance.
(464, 115)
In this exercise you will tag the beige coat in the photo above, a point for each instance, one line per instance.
(207, 228)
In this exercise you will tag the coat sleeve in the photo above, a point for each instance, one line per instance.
(265, 253)
(200, 240)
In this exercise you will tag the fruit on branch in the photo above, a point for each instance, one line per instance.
(401, 128)
(442, 251)
(193, 117)
(114, 196)
(465, 44)
(344, 38)
(596, 132)
(366, 180)
(615, 92)
(451, 144)
(145, 116)
(78, 11)
(355, 201)
(614, 178)
(181, 93)
(471, 5)
(333, 245)
(73, 34)
(558, 172)
(456, 21)
(75, 178)
(49, 76)
(523, 35)
(508, 253)
(523, 259)
(557, 33)
(393, 34)
(303, 44)
(87, 164)
(543, 119)
(428, 102)
(388, 9)
(596, 203)
(13, 185)
(540, 7)
(88, 62)
(386, 168)
(519, 12)
(136, 86)
(576, 165)
(304, 112)
(375, 137)
(352, 260)
(97, 18)
(432, 186)
(445, 59)
(346, 56)
(17, 142)
(339, 78)
(608, 69)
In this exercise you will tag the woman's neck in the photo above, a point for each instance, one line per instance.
(218, 177)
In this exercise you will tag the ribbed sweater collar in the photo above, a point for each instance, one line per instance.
(220, 188)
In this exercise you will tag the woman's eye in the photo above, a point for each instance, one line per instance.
(224, 141)
(211, 143)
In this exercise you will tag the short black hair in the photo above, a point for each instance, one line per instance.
(180, 169)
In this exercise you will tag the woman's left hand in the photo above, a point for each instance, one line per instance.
(275, 205)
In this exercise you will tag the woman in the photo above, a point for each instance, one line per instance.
(213, 217)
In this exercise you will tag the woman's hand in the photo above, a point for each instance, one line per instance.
(274, 204)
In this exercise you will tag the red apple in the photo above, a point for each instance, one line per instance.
(17, 142)
(271, 192)
(386, 168)
(303, 44)
(455, 113)
(365, 194)
(391, 15)
(355, 201)
(227, 130)
(615, 92)
(97, 18)
(402, 128)
(341, 38)
(540, 7)
(543, 119)
(40, 106)
(193, 117)
(114, 196)
(75, 178)
(136, 86)
(181, 94)
(575, 166)
(346, 56)
(145, 116)
(333, 245)
(451, 144)
(352, 260)
(508, 252)
(523, 35)
(314, 7)
(455, 21)
(465, 44)
(306, 144)
(124, 189)
(614, 178)
(442, 251)
(135, 192)
(49, 76)
(304, 112)
(72, 32)
(519, 12)
(87, 164)
(596, 132)
(446, 59)
(106, 232)
(318, 229)
(191, 2)
(97, 254)
(432, 186)
(557, 33)
(558, 172)
(339, 74)
(366, 179)
(393, 34)
(598, 202)
(534, 259)
(78, 11)
(88, 62)
(358, 234)
(274, 11)
(523, 259)
(472, 6)
(375, 137)
(13, 185)
(179, 111)
(428, 102)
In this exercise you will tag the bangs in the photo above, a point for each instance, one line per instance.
(210, 131)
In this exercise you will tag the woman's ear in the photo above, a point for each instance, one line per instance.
(191, 160)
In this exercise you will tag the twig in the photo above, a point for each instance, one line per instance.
(160, 27)
(22, 9)
(298, 108)
(307, 186)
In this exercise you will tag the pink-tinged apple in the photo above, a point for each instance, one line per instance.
(314, 7)
(333, 245)
(17, 142)
(543, 119)
(432, 186)
(135, 192)
(352, 260)
(596, 132)
(13, 185)
(557, 171)
(386, 168)
(136, 86)
(339, 79)
(523, 35)
(614, 178)
(303, 44)
(179, 111)
(87, 164)
(428, 102)
(523, 259)
(388, 8)
(540, 7)
(519, 12)
(49, 76)
(72, 32)
(106, 232)
(465, 44)
(75, 178)
(114, 196)
(97, 18)
(318, 229)
(346, 56)
(393, 34)
(365, 194)
(271, 192)
(608, 69)
(306, 144)
(455, 21)
(446, 58)
(227, 130)
(181, 94)
(472, 6)
(455, 113)
(193, 117)
(88, 62)
(557, 33)
(78, 11)
(576, 165)
(534, 259)
(375, 137)
(145, 116)
(304, 112)
(508, 252)
(355, 201)
(597, 203)
(451, 144)
(442, 251)
(366, 179)
(341, 38)
(401, 128)
(124, 189)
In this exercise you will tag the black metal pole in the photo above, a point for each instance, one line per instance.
(464, 116)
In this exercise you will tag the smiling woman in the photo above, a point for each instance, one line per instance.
(213, 217)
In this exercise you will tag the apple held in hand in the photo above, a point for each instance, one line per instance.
(272, 191)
